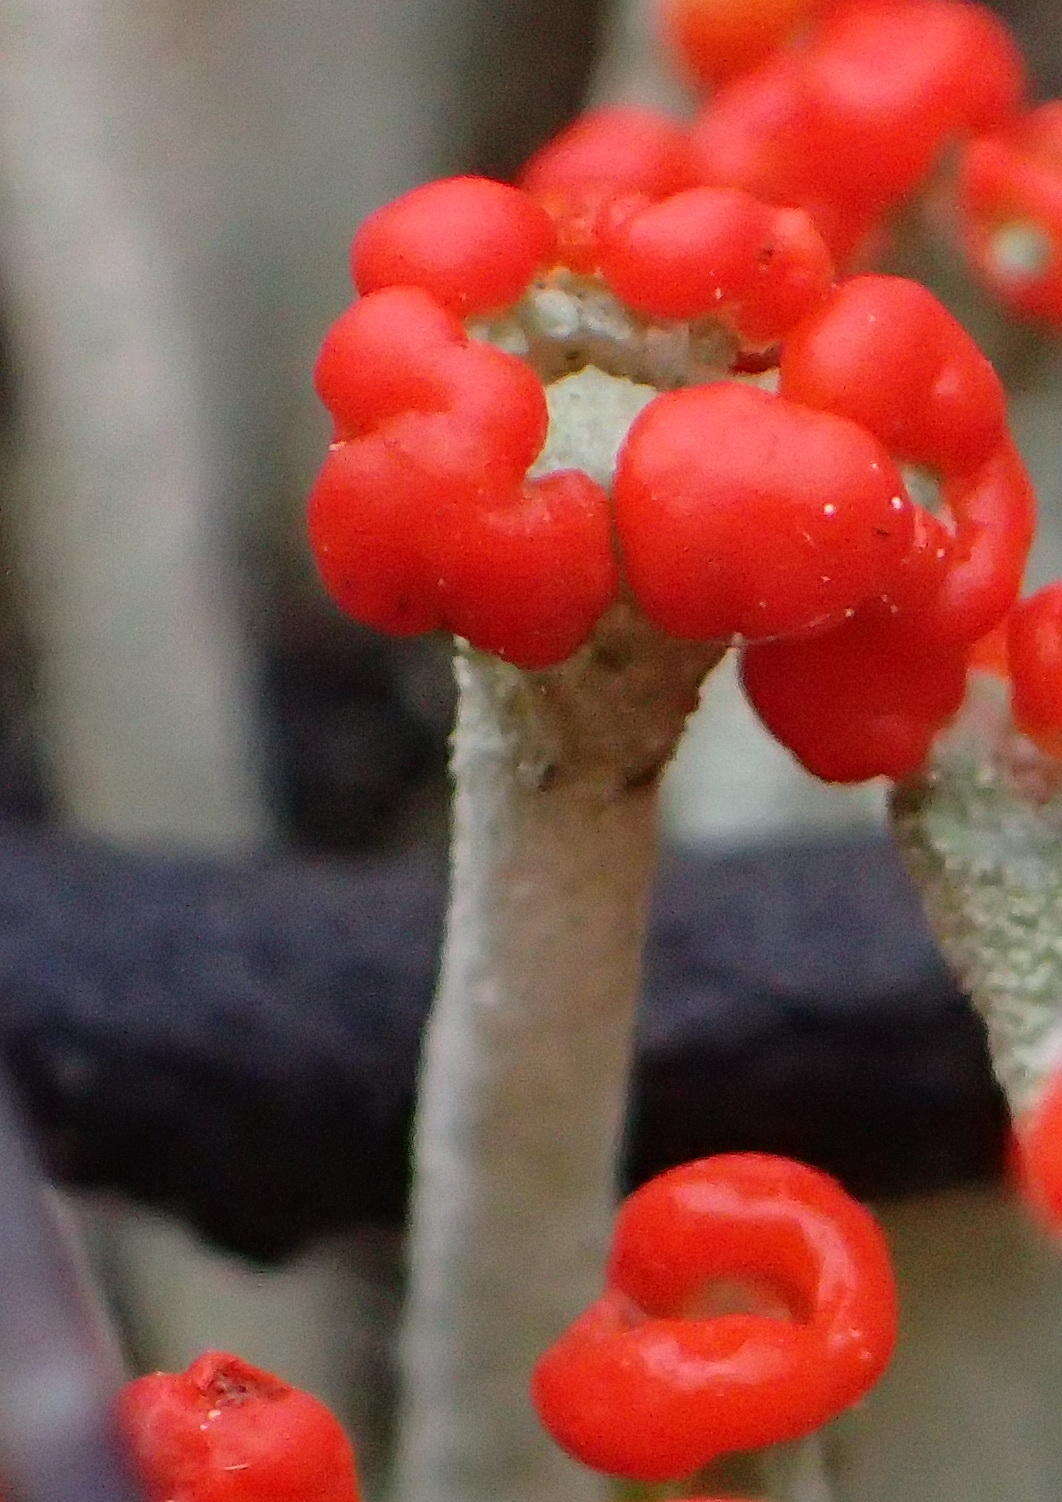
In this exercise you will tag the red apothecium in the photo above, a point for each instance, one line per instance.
(423, 516)
(852, 124)
(224, 1431)
(472, 243)
(660, 1376)
(742, 514)
(885, 353)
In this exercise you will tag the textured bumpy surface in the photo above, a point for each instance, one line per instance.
(982, 835)
(238, 1042)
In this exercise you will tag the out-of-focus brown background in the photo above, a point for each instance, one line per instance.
(179, 180)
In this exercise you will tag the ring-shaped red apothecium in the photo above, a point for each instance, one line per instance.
(1009, 205)
(224, 1431)
(660, 1376)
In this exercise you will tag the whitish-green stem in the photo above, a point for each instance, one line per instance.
(526, 1063)
(981, 833)
(525, 1072)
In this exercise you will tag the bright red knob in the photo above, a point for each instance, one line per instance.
(422, 517)
(472, 243)
(864, 700)
(711, 253)
(224, 1431)
(744, 515)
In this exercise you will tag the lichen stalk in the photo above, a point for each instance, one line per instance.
(526, 1063)
(981, 834)
(527, 1056)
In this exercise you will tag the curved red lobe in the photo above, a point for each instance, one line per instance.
(649, 1386)
(882, 351)
(715, 253)
(422, 516)
(860, 701)
(472, 243)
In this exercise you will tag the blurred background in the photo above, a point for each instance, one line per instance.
(179, 180)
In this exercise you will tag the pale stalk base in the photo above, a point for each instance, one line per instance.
(981, 834)
(526, 1063)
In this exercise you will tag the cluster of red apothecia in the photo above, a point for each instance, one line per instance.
(748, 1300)
(778, 519)
(845, 107)
(852, 118)
(781, 521)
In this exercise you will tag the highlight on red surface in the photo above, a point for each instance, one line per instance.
(472, 243)
(422, 517)
(1009, 203)
(1038, 1157)
(1034, 654)
(225, 1431)
(883, 351)
(747, 1301)
(712, 40)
